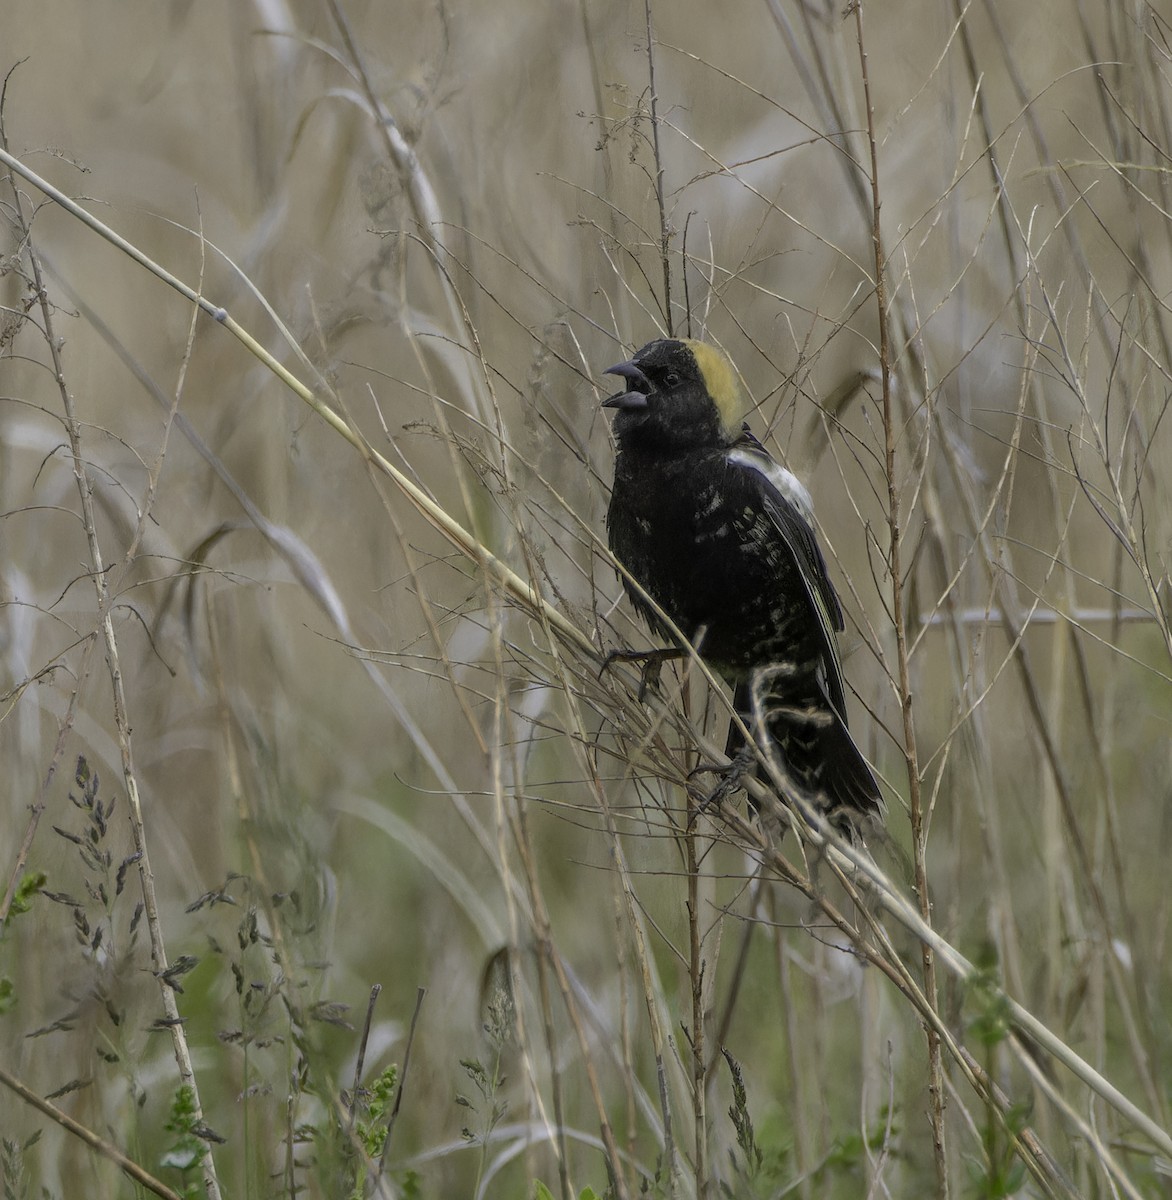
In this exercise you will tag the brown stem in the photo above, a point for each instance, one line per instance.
(664, 233)
(100, 575)
(895, 566)
(87, 1135)
(696, 975)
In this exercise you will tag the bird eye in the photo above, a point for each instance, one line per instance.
(671, 379)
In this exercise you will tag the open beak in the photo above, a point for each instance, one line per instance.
(638, 387)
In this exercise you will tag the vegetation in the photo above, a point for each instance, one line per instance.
(334, 861)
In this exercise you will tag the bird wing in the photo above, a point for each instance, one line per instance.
(787, 504)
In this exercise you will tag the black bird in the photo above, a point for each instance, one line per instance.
(721, 537)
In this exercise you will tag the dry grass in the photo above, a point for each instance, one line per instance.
(319, 616)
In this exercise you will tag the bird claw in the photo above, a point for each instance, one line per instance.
(652, 665)
(729, 783)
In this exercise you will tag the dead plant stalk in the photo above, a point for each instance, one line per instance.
(100, 575)
(895, 567)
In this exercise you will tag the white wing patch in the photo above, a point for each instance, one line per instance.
(785, 482)
(808, 560)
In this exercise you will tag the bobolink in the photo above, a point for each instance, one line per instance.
(721, 537)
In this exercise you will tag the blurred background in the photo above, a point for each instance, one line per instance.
(360, 763)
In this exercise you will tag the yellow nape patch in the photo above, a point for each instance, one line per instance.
(723, 383)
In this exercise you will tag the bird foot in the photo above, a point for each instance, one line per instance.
(652, 664)
(730, 781)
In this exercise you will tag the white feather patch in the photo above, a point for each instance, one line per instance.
(784, 482)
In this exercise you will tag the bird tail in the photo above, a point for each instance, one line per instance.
(794, 721)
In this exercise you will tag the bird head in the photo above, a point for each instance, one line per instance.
(680, 393)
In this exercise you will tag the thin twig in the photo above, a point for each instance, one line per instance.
(664, 229)
(855, 863)
(420, 993)
(122, 721)
(524, 593)
(696, 1039)
(37, 808)
(91, 1139)
(360, 1062)
(895, 566)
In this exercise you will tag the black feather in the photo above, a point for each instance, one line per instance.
(720, 536)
